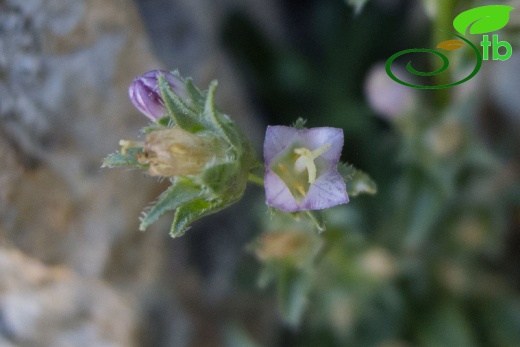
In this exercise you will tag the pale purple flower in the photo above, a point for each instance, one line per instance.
(387, 98)
(146, 97)
(301, 168)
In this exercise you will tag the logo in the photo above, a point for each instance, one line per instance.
(479, 21)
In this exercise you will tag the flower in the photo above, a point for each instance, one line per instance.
(146, 97)
(176, 152)
(387, 98)
(301, 168)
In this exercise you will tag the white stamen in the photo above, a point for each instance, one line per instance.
(306, 160)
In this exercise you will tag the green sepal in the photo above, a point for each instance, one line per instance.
(299, 124)
(181, 114)
(180, 192)
(221, 178)
(165, 122)
(218, 122)
(117, 159)
(357, 181)
(317, 218)
(192, 211)
(195, 95)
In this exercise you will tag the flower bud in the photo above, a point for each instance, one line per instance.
(146, 97)
(176, 152)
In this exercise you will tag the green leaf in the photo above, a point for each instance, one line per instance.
(182, 116)
(192, 211)
(218, 122)
(128, 159)
(483, 19)
(357, 181)
(180, 192)
(195, 95)
(293, 289)
(222, 177)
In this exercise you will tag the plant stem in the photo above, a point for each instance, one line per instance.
(255, 179)
(443, 23)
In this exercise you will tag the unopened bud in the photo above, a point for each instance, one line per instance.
(146, 97)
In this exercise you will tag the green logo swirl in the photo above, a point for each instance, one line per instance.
(445, 64)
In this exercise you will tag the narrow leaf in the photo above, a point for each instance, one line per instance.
(357, 181)
(218, 122)
(128, 159)
(483, 19)
(293, 289)
(195, 95)
(182, 116)
(211, 113)
(180, 192)
(190, 212)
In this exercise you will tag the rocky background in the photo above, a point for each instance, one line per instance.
(74, 269)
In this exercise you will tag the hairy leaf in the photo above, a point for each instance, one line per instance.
(180, 192)
(182, 116)
(190, 212)
(127, 159)
(357, 181)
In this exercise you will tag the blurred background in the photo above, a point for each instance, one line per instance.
(433, 259)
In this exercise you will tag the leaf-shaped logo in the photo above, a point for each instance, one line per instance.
(450, 45)
(483, 19)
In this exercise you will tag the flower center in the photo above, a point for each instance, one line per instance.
(306, 160)
(297, 168)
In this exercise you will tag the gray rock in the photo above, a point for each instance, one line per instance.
(51, 306)
(65, 66)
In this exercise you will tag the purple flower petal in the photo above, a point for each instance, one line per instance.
(277, 138)
(328, 190)
(146, 97)
(277, 193)
(290, 189)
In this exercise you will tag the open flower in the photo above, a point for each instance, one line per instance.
(301, 168)
(146, 97)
